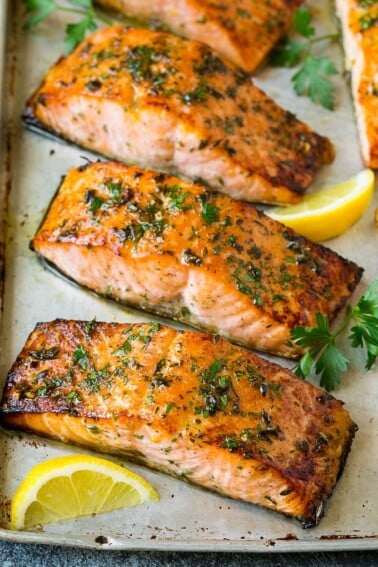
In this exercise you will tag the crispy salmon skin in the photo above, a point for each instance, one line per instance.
(243, 31)
(171, 247)
(186, 403)
(156, 100)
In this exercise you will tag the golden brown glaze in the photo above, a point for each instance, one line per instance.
(156, 100)
(186, 403)
(244, 31)
(171, 247)
(360, 37)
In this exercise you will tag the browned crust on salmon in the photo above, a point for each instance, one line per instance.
(244, 31)
(157, 100)
(360, 39)
(186, 403)
(171, 247)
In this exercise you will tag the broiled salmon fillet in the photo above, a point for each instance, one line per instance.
(156, 100)
(174, 248)
(186, 403)
(360, 39)
(244, 31)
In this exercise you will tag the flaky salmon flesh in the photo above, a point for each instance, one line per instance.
(167, 246)
(156, 100)
(360, 40)
(244, 31)
(186, 403)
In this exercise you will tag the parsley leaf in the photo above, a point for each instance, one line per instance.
(301, 21)
(42, 9)
(323, 357)
(329, 365)
(310, 80)
(39, 10)
(289, 54)
(313, 74)
(209, 212)
(84, 3)
(75, 33)
(80, 356)
(365, 331)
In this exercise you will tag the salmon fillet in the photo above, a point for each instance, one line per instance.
(360, 38)
(156, 100)
(244, 31)
(171, 247)
(185, 403)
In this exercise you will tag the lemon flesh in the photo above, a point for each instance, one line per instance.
(78, 485)
(331, 211)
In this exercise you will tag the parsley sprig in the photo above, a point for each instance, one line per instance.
(324, 358)
(39, 10)
(312, 77)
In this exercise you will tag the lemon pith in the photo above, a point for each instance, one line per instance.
(73, 486)
(331, 211)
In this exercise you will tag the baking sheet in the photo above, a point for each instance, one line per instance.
(187, 517)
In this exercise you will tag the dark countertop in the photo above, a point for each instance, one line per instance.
(21, 555)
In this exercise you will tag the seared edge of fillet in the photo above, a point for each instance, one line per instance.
(159, 101)
(186, 403)
(360, 41)
(243, 31)
(174, 248)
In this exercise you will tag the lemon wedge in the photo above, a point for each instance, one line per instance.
(331, 211)
(73, 486)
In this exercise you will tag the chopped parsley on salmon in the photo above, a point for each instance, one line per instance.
(156, 100)
(189, 404)
(244, 31)
(174, 248)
